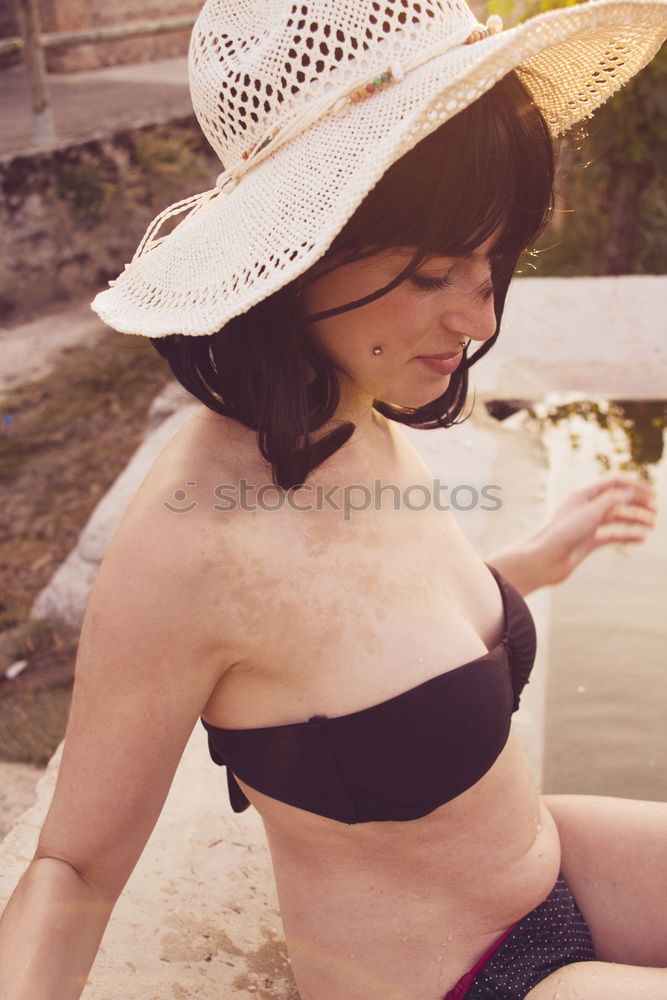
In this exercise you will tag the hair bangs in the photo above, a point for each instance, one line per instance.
(488, 171)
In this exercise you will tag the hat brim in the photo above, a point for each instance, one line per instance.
(241, 247)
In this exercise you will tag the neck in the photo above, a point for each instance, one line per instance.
(355, 406)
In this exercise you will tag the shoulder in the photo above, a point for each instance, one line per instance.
(176, 503)
(174, 558)
(207, 527)
(407, 454)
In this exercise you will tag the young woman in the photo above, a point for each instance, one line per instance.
(386, 164)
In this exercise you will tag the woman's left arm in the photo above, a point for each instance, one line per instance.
(617, 508)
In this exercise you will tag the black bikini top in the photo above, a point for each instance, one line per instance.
(397, 760)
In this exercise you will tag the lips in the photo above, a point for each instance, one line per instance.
(443, 364)
(441, 357)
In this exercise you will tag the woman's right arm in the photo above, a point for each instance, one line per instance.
(149, 656)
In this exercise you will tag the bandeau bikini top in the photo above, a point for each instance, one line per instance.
(399, 759)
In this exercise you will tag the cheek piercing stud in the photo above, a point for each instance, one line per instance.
(377, 350)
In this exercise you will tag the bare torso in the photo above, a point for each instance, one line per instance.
(335, 615)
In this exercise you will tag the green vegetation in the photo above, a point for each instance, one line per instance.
(635, 429)
(167, 152)
(90, 185)
(166, 161)
(611, 212)
(510, 10)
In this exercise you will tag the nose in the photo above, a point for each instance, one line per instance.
(471, 314)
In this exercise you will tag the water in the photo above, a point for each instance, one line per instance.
(606, 708)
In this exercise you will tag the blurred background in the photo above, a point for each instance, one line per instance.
(98, 136)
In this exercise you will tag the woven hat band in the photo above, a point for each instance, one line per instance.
(253, 65)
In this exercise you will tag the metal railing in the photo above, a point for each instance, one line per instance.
(32, 42)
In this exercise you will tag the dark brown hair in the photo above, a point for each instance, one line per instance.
(489, 170)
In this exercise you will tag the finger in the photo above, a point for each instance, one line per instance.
(638, 488)
(642, 493)
(608, 503)
(605, 537)
(624, 505)
(625, 513)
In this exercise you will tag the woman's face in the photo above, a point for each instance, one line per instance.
(448, 300)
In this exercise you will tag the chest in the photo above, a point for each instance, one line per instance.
(339, 615)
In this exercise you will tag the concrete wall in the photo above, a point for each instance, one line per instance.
(143, 48)
(140, 49)
(8, 24)
(64, 15)
(603, 336)
(8, 29)
(70, 15)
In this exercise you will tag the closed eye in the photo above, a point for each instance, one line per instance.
(430, 284)
(485, 291)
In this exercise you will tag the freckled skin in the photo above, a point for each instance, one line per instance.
(331, 615)
(407, 322)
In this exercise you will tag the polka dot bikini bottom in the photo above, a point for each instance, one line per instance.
(552, 935)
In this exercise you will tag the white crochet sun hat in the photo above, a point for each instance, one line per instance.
(308, 102)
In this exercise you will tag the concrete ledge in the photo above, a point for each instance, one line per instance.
(94, 103)
(598, 336)
(66, 594)
(198, 919)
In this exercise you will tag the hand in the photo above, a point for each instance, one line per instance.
(617, 508)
